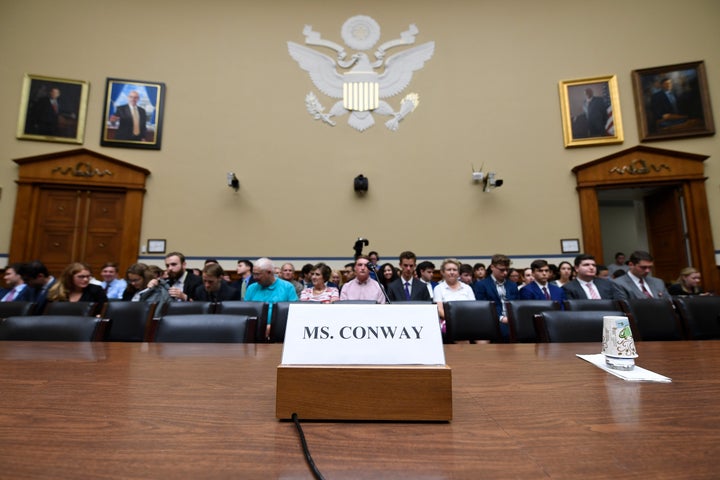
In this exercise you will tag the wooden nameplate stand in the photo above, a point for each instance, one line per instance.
(365, 392)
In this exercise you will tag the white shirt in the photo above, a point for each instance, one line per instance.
(443, 292)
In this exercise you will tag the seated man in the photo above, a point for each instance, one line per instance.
(214, 288)
(638, 283)
(269, 289)
(114, 286)
(540, 288)
(494, 287)
(362, 287)
(425, 272)
(407, 287)
(17, 290)
(587, 286)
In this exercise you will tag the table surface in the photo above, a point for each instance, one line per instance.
(164, 411)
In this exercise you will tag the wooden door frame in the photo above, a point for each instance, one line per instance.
(84, 170)
(643, 166)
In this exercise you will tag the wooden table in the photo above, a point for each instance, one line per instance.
(179, 411)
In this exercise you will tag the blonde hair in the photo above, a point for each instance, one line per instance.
(684, 273)
(60, 291)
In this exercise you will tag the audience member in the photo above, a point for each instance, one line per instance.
(145, 286)
(17, 290)
(688, 283)
(564, 273)
(407, 287)
(586, 285)
(618, 274)
(214, 288)
(305, 275)
(245, 276)
(388, 274)
(208, 261)
(425, 272)
(540, 288)
(268, 288)
(287, 273)
(39, 279)
(618, 264)
(374, 262)
(182, 282)
(638, 283)
(603, 272)
(320, 291)
(362, 287)
(450, 288)
(74, 286)
(466, 274)
(527, 277)
(478, 272)
(496, 288)
(114, 287)
(157, 271)
(335, 279)
(514, 276)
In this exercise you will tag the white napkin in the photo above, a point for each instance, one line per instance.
(637, 374)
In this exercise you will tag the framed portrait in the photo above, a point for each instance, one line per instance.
(133, 114)
(590, 110)
(52, 109)
(570, 245)
(672, 102)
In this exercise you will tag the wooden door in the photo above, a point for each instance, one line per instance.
(666, 235)
(77, 225)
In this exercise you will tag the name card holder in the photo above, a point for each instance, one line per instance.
(364, 362)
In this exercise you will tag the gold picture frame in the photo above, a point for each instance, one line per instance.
(590, 109)
(52, 109)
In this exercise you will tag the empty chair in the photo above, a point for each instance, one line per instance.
(653, 319)
(562, 326)
(205, 329)
(61, 328)
(15, 309)
(700, 315)
(188, 308)
(578, 305)
(129, 321)
(82, 309)
(472, 321)
(278, 322)
(521, 318)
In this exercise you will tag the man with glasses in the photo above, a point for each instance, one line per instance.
(494, 287)
(182, 282)
(638, 283)
(540, 288)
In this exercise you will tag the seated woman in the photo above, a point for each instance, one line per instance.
(320, 292)
(144, 286)
(688, 283)
(450, 288)
(74, 286)
(565, 272)
(387, 275)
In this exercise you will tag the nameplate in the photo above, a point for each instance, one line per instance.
(356, 334)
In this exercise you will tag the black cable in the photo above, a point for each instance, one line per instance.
(306, 451)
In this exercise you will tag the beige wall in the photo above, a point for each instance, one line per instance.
(235, 102)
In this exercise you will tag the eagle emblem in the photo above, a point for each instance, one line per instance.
(361, 83)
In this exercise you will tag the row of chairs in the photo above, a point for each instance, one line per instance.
(532, 321)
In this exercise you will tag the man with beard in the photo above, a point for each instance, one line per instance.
(181, 281)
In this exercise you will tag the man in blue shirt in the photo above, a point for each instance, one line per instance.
(114, 286)
(269, 289)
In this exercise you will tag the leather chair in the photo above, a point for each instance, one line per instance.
(129, 321)
(521, 318)
(61, 328)
(563, 326)
(472, 321)
(188, 308)
(258, 310)
(82, 309)
(653, 319)
(278, 322)
(700, 316)
(580, 305)
(205, 329)
(358, 302)
(16, 309)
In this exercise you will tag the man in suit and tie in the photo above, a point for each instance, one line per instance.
(586, 284)
(244, 271)
(540, 288)
(132, 119)
(17, 290)
(494, 287)
(39, 280)
(408, 288)
(424, 272)
(638, 283)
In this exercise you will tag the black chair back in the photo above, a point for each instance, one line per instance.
(188, 308)
(205, 329)
(258, 310)
(358, 302)
(471, 320)
(700, 315)
(82, 309)
(129, 321)
(278, 322)
(16, 309)
(581, 305)
(60, 328)
(562, 326)
(653, 319)
(521, 318)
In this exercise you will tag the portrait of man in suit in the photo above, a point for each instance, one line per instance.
(407, 288)
(53, 109)
(131, 119)
(133, 114)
